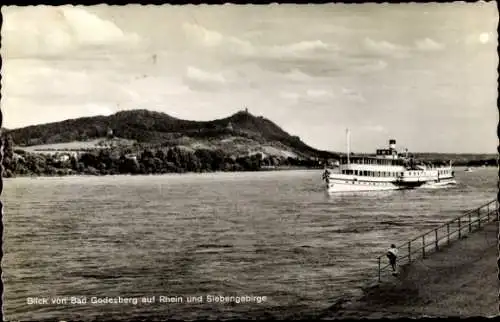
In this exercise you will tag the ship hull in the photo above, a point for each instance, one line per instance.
(353, 184)
(440, 183)
(356, 185)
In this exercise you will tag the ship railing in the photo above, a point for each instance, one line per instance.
(440, 237)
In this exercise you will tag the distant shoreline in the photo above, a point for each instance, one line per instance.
(283, 168)
(289, 168)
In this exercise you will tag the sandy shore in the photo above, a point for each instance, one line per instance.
(459, 280)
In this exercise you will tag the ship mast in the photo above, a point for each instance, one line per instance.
(348, 145)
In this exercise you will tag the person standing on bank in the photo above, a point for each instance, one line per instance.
(392, 254)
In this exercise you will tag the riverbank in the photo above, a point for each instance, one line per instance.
(74, 174)
(460, 280)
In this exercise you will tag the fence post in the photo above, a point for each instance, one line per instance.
(436, 239)
(448, 233)
(379, 269)
(470, 223)
(459, 229)
(423, 246)
(488, 212)
(479, 218)
(409, 252)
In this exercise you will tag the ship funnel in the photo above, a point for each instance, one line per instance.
(392, 144)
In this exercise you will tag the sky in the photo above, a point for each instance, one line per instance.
(423, 74)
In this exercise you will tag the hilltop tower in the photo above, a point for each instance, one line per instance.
(110, 133)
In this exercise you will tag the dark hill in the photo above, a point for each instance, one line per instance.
(155, 128)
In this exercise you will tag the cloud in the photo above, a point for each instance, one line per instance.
(319, 93)
(198, 79)
(203, 35)
(297, 75)
(353, 95)
(35, 78)
(98, 109)
(370, 66)
(290, 95)
(375, 128)
(155, 88)
(298, 48)
(384, 48)
(428, 44)
(54, 31)
(211, 38)
(312, 95)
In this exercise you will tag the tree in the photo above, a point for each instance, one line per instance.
(173, 156)
(128, 165)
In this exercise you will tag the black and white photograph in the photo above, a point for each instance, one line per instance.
(275, 161)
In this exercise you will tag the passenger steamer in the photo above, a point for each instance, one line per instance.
(388, 170)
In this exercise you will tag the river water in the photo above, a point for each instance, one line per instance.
(274, 238)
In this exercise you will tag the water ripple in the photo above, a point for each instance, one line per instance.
(273, 234)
